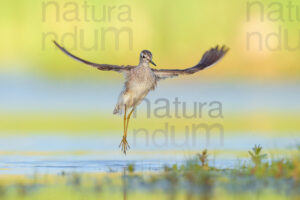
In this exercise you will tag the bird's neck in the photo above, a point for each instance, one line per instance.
(144, 64)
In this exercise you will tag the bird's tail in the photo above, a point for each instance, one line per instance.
(118, 110)
(120, 105)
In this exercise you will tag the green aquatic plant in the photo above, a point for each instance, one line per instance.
(131, 168)
(256, 155)
(203, 157)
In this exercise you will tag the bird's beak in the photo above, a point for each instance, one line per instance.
(152, 62)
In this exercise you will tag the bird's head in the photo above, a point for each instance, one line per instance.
(146, 57)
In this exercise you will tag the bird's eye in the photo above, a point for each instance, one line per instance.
(144, 56)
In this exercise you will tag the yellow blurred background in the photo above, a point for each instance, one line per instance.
(44, 91)
(176, 32)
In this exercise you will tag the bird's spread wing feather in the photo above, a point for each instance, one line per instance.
(208, 59)
(104, 67)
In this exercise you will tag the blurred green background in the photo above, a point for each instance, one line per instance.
(43, 91)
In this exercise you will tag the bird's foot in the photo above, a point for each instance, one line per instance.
(124, 145)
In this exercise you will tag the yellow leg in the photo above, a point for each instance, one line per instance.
(125, 120)
(128, 118)
(124, 144)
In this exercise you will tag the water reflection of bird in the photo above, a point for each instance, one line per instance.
(142, 78)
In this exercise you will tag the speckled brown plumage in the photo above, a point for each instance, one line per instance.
(142, 78)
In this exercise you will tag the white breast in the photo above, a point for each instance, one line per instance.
(142, 80)
(139, 82)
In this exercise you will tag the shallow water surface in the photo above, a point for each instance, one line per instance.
(56, 154)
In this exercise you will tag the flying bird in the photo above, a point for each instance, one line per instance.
(142, 78)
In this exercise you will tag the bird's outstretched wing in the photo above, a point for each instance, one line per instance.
(104, 67)
(208, 59)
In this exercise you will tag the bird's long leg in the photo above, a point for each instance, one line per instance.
(127, 121)
(124, 144)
